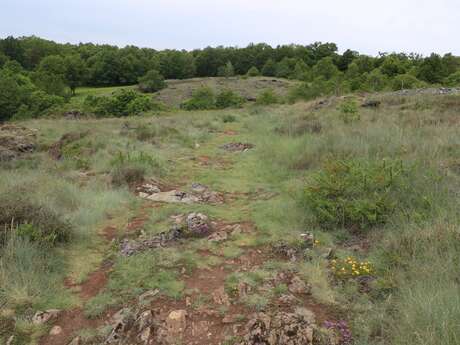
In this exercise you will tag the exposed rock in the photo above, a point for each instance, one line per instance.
(308, 239)
(371, 103)
(73, 115)
(206, 195)
(429, 91)
(198, 225)
(282, 328)
(130, 247)
(173, 196)
(198, 188)
(56, 330)
(219, 236)
(16, 141)
(129, 327)
(10, 340)
(286, 250)
(175, 325)
(220, 297)
(42, 317)
(149, 188)
(287, 299)
(297, 285)
(147, 296)
(76, 341)
(237, 147)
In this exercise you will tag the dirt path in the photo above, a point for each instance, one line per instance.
(213, 314)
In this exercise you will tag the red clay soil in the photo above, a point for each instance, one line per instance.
(71, 321)
(109, 233)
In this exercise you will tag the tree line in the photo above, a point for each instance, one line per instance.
(38, 69)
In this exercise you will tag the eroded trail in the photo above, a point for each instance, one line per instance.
(232, 286)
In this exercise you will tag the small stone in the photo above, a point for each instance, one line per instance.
(220, 297)
(76, 341)
(148, 296)
(42, 317)
(230, 319)
(297, 285)
(146, 334)
(56, 330)
(219, 236)
(176, 324)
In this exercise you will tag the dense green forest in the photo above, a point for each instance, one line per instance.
(37, 74)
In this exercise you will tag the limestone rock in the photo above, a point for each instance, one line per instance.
(56, 330)
(76, 341)
(42, 317)
(220, 297)
(175, 325)
(297, 285)
(281, 328)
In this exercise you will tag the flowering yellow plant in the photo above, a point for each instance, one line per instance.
(350, 267)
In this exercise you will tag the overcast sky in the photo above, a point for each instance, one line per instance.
(368, 26)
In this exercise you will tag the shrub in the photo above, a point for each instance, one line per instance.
(130, 168)
(122, 103)
(453, 79)
(226, 71)
(267, 97)
(152, 81)
(228, 99)
(139, 105)
(406, 81)
(358, 195)
(202, 99)
(35, 221)
(349, 111)
(227, 118)
(253, 72)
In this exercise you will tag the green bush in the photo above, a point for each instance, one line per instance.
(267, 97)
(358, 194)
(228, 118)
(202, 99)
(152, 81)
(124, 102)
(349, 111)
(253, 72)
(35, 221)
(228, 99)
(406, 81)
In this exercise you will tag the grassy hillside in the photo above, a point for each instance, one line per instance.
(347, 211)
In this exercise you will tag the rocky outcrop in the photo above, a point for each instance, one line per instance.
(237, 147)
(198, 194)
(195, 225)
(16, 141)
(296, 328)
(146, 328)
(42, 317)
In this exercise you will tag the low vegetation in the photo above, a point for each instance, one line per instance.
(352, 198)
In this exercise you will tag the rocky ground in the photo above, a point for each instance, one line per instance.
(209, 312)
